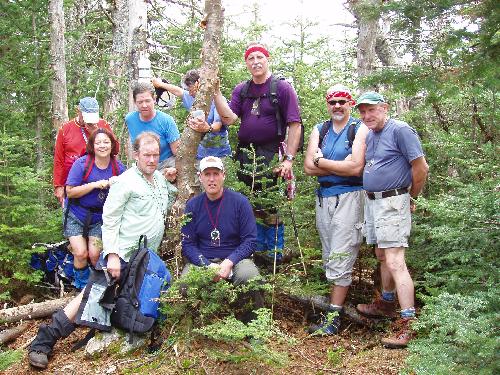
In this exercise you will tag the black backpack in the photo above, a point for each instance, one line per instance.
(137, 298)
(273, 98)
(351, 131)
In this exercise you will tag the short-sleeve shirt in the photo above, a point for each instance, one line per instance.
(214, 143)
(260, 127)
(162, 124)
(96, 198)
(389, 153)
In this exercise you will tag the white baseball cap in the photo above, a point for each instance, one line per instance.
(90, 110)
(211, 162)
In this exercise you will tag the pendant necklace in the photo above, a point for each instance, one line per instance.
(215, 233)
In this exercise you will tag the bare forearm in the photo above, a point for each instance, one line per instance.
(293, 139)
(80, 191)
(419, 170)
(227, 116)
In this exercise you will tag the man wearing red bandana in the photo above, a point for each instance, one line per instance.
(260, 130)
(337, 159)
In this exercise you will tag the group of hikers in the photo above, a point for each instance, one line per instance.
(370, 172)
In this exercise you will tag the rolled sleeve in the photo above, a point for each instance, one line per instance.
(112, 217)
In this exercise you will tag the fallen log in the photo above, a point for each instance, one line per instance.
(10, 334)
(33, 310)
(323, 304)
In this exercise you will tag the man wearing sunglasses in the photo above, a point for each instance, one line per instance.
(335, 154)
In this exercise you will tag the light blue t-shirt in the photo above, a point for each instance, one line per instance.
(389, 153)
(336, 147)
(162, 124)
(214, 143)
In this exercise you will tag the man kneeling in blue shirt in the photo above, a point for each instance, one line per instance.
(221, 230)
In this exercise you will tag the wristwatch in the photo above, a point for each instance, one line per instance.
(316, 161)
(289, 157)
(210, 129)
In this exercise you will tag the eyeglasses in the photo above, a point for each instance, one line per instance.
(339, 102)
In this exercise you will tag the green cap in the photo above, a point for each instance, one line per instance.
(370, 97)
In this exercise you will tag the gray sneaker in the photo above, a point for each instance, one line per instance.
(38, 359)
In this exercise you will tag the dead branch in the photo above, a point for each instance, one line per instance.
(10, 334)
(33, 310)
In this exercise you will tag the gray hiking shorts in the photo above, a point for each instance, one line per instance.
(388, 221)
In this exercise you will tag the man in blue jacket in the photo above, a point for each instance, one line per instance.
(221, 229)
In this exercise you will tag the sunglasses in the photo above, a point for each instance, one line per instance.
(339, 102)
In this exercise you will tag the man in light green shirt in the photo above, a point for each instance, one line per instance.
(136, 204)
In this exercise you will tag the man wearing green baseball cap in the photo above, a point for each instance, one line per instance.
(394, 175)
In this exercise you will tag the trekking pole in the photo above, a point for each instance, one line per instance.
(296, 232)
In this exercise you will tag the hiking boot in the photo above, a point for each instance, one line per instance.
(327, 326)
(401, 336)
(378, 309)
(46, 338)
(38, 359)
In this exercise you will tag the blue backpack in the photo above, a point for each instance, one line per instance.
(137, 298)
(56, 262)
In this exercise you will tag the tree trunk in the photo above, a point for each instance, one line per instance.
(367, 18)
(33, 311)
(38, 103)
(58, 56)
(190, 139)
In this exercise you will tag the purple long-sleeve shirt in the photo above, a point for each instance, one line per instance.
(235, 223)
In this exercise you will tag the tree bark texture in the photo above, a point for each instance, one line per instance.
(209, 70)
(33, 310)
(39, 108)
(13, 333)
(58, 56)
(368, 29)
(129, 19)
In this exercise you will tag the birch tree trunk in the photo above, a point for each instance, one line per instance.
(129, 18)
(209, 70)
(58, 57)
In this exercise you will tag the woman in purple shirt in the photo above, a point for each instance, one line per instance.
(86, 189)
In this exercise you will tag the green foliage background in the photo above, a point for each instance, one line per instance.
(450, 84)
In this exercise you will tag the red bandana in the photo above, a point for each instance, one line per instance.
(340, 94)
(256, 47)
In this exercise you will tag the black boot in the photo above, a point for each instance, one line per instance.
(46, 338)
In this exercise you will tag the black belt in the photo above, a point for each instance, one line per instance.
(386, 194)
(328, 184)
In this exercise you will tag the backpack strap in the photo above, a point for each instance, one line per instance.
(244, 89)
(351, 132)
(89, 164)
(273, 98)
(322, 132)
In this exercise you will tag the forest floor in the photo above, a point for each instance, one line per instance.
(355, 350)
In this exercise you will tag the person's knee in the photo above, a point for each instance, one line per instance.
(80, 253)
(396, 265)
(94, 253)
(244, 271)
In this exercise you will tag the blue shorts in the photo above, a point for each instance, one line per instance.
(74, 226)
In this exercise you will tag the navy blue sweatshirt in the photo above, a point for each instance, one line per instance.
(235, 223)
